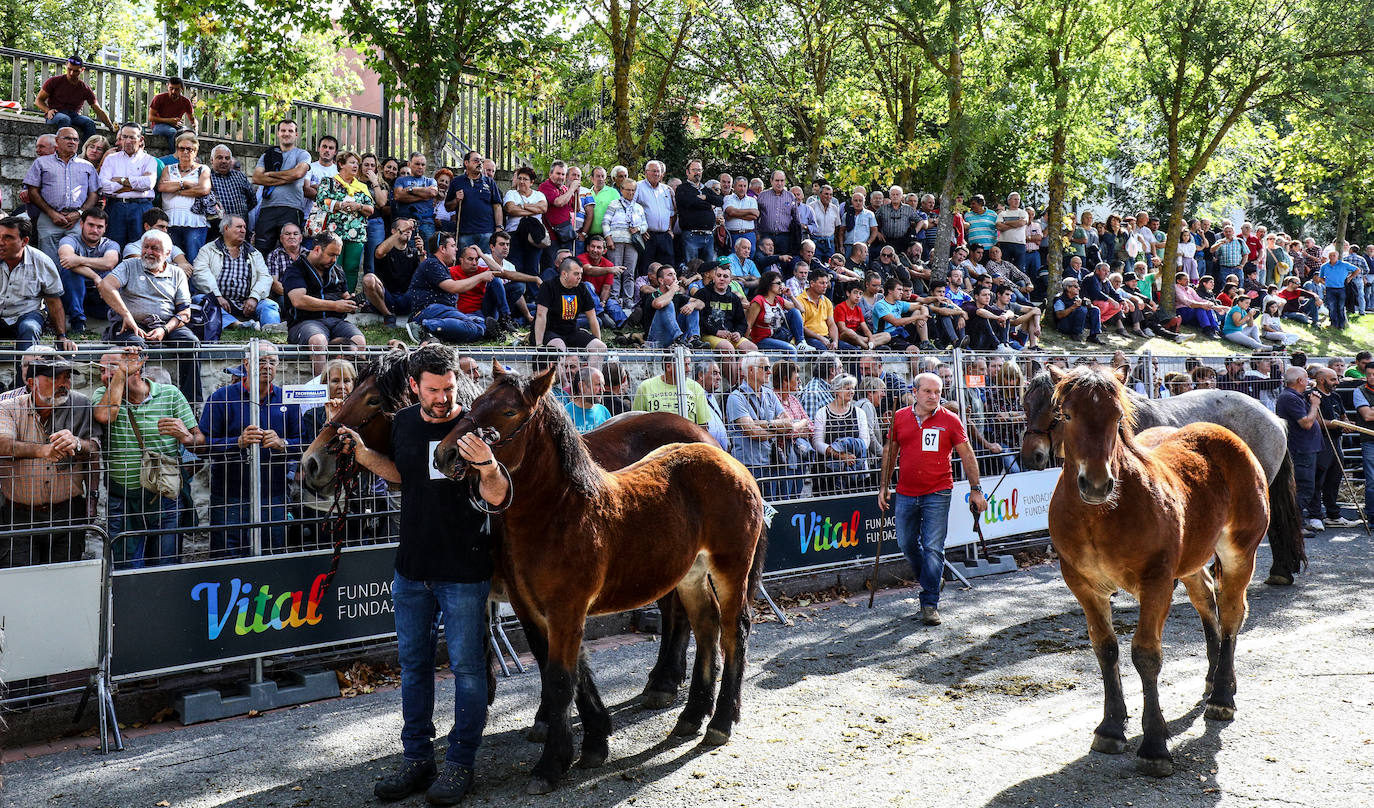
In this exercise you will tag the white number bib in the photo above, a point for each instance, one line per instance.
(930, 440)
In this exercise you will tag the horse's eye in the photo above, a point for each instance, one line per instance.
(1065, 416)
(510, 413)
(374, 402)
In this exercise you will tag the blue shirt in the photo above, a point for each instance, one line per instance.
(476, 213)
(1291, 407)
(585, 420)
(760, 406)
(226, 414)
(64, 186)
(424, 286)
(1335, 274)
(882, 308)
(420, 211)
(981, 228)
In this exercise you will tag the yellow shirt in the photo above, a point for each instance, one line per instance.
(816, 316)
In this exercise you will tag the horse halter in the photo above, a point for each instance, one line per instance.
(1049, 430)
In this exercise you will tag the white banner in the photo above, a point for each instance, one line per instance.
(51, 618)
(306, 395)
(1020, 505)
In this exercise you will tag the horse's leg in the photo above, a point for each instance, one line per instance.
(1202, 594)
(558, 680)
(1232, 605)
(1110, 735)
(539, 647)
(671, 668)
(596, 719)
(732, 587)
(1156, 596)
(703, 611)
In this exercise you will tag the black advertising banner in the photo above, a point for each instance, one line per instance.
(816, 532)
(175, 617)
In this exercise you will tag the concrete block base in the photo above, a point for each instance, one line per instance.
(210, 705)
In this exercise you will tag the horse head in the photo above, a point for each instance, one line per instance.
(378, 393)
(1037, 440)
(1095, 419)
(499, 417)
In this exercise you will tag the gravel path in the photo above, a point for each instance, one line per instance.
(853, 707)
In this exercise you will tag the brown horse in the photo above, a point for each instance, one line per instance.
(579, 541)
(381, 390)
(1140, 514)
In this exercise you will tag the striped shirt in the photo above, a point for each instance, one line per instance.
(1231, 254)
(982, 227)
(122, 451)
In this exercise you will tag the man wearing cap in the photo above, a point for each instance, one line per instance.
(1073, 313)
(62, 185)
(61, 98)
(49, 457)
(150, 306)
(27, 277)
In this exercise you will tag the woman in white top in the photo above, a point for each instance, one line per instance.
(840, 435)
(522, 201)
(181, 184)
(624, 218)
(1187, 252)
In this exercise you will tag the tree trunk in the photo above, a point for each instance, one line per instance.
(954, 83)
(620, 105)
(431, 126)
(1178, 205)
(1052, 246)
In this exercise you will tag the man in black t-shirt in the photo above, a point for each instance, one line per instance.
(443, 567)
(723, 324)
(559, 302)
(318, 301)
(394, 263)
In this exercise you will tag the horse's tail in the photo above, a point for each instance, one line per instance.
(760, 558)
(1285, 521)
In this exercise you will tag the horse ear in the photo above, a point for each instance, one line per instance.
(1122, 373)
(1056, 373)
(497, 369)
(541, 384)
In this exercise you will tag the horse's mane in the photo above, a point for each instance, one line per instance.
(1097, 380)
(574, 461)
(390, 374)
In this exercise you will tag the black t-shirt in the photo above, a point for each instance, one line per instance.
(395, 269)
(724, 311)
(441, 530)
(329, 285)
(564, 305)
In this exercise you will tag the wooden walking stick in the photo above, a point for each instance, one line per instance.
(1349, 486)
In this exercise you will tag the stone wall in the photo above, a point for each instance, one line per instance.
(19, 132)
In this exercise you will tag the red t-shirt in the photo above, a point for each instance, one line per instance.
(1253, 243)
(556, 215)
(849, 316)
(924, 449)
(65, 96)
(598, 282)
(469, 302)
(164, 105)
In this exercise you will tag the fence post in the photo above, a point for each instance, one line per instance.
(1151, 388)
(680, 370)
(384, 128)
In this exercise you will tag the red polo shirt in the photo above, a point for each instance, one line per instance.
(924, 450)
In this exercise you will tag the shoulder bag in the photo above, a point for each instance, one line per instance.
(157, 472)
(319, 215)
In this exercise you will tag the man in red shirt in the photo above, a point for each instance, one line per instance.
(600, 274)
(168, 109)
(922, 438)
(61, 97)
(853, 327)
(483, 293)
(558, 218)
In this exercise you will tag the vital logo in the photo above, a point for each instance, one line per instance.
(284, 612)
(819, 534)
(1000, 510)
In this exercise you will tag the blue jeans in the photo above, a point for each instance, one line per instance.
(482, 240)
(232, 519)
(1305, 472)
(1086, 316)
(451, 325)
(25, 330)
(136, 509)
(74, 119)
(495, 302)
(844, 477)
(822, 345)
(267, 313)
(825, 247)
(669, 324)
(922, 523)
(165, 130)
(1015, 253)
(419, 607)
(189, 239)
(73, 298)
(376, 234)
(1335, 305)
(1367, 455)
(699, 245)
(126, 219)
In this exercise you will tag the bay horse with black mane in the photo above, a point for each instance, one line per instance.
(382, 388)
(1141, 513)
(579, 540)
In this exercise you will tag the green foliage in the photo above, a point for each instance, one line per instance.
(127, 27)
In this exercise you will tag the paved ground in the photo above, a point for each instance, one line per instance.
(856, 708)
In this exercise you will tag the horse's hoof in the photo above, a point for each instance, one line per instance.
(591, 760)
(1220, 712)
(657, 699)
(715, 737)
(538, 785)
(1154, 767)
(1108, 746)
(1207, 689)
(539, 733)
(686, 729)
(1279, 580)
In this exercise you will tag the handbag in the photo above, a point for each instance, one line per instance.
(207, 206)
(318, 222)
(157, 472)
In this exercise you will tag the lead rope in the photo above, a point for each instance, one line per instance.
(336, 519)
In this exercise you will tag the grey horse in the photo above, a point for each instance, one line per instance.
(1261, 430)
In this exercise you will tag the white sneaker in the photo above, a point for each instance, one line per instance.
(1182, 338)
(1342, 521)
(1315, 524)
(806, 346)
(1148, 332)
